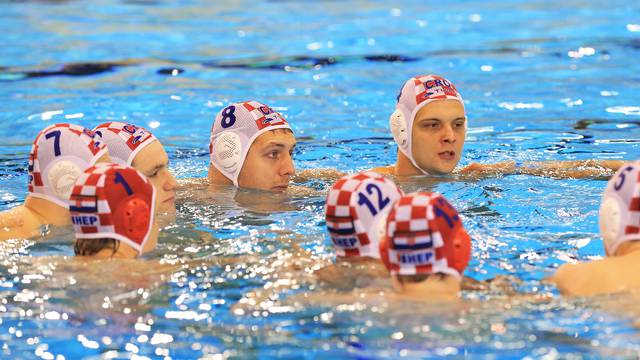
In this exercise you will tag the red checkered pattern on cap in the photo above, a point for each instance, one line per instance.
(99, 197)
(86, 199)
(341, 215)
(133, 136)
(263, 115)
(434, 87)
(420, 229)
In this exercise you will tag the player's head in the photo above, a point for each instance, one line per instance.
(251, 145)
(424, 236)
(429, 124)
(112, 205)
(60, 153)
(135, 146)
(620, 208)
(356, 207)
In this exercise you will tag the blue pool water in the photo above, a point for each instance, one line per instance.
(542, 81)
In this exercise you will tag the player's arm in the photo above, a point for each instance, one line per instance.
(578, 169)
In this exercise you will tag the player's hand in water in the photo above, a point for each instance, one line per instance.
(578, 169)
(477, 169)
(327, 174)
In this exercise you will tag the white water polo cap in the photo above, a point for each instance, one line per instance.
(424, 235)
(415, 94)
(620, 208)
(113, 201)
(233, 131)
(60, 153)
(123, 140)
(356, 207)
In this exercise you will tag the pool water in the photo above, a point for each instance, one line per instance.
(542, 81)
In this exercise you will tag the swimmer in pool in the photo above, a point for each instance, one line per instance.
(425, 247)
(135, 146)
(60, 153)
(112, 209)
(356, 206)
(251, 146)
(429, 126)
(620, 231)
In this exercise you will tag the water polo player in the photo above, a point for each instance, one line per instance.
(60, 153)
(429, 126)
(620, 231)
(112, 209)
(135, 146)
(425, 248)
(251, 146)
(356, 207)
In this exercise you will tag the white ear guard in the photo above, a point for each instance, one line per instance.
(60, 177)
(620, 208)
(398, 126)
(227, 150)
(610, 218)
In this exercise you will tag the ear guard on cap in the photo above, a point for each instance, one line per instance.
(461, 250)
(398, 125)
(610, 218)
(227, 149)
(61, 176)
(135, 214)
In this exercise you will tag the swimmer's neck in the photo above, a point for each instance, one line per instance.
(48, 212)
(404, 167)
(431, 289)
(357, 260)
(124, 252)
(217, 178)
(627, 248)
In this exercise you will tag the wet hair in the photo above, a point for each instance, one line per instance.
(89, 247)
(418, 278)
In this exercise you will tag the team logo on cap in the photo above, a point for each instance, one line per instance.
(124, 140)
(355, 206)
(424, 235)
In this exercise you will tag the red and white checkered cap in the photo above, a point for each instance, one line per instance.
(355, 209)
(113, 201)
(123, 140)
(620, 208)
(415, 94)
(424, 235)
(234, 130)
(59, 154)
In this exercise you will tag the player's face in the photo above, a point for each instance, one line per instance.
(269, 163)
(438, 135)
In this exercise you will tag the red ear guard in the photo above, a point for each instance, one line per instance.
(461, 250)
(134, 215)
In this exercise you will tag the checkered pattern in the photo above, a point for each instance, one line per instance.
(415, 94)
(351, 224)
(97, 199)
(123, 140)
(424, 235)
(624, 189)
(245, 121)
(57, 143)
(264, 116)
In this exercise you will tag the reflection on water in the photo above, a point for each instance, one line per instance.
(233, 277)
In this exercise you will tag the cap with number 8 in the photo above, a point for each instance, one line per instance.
(234, 130)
